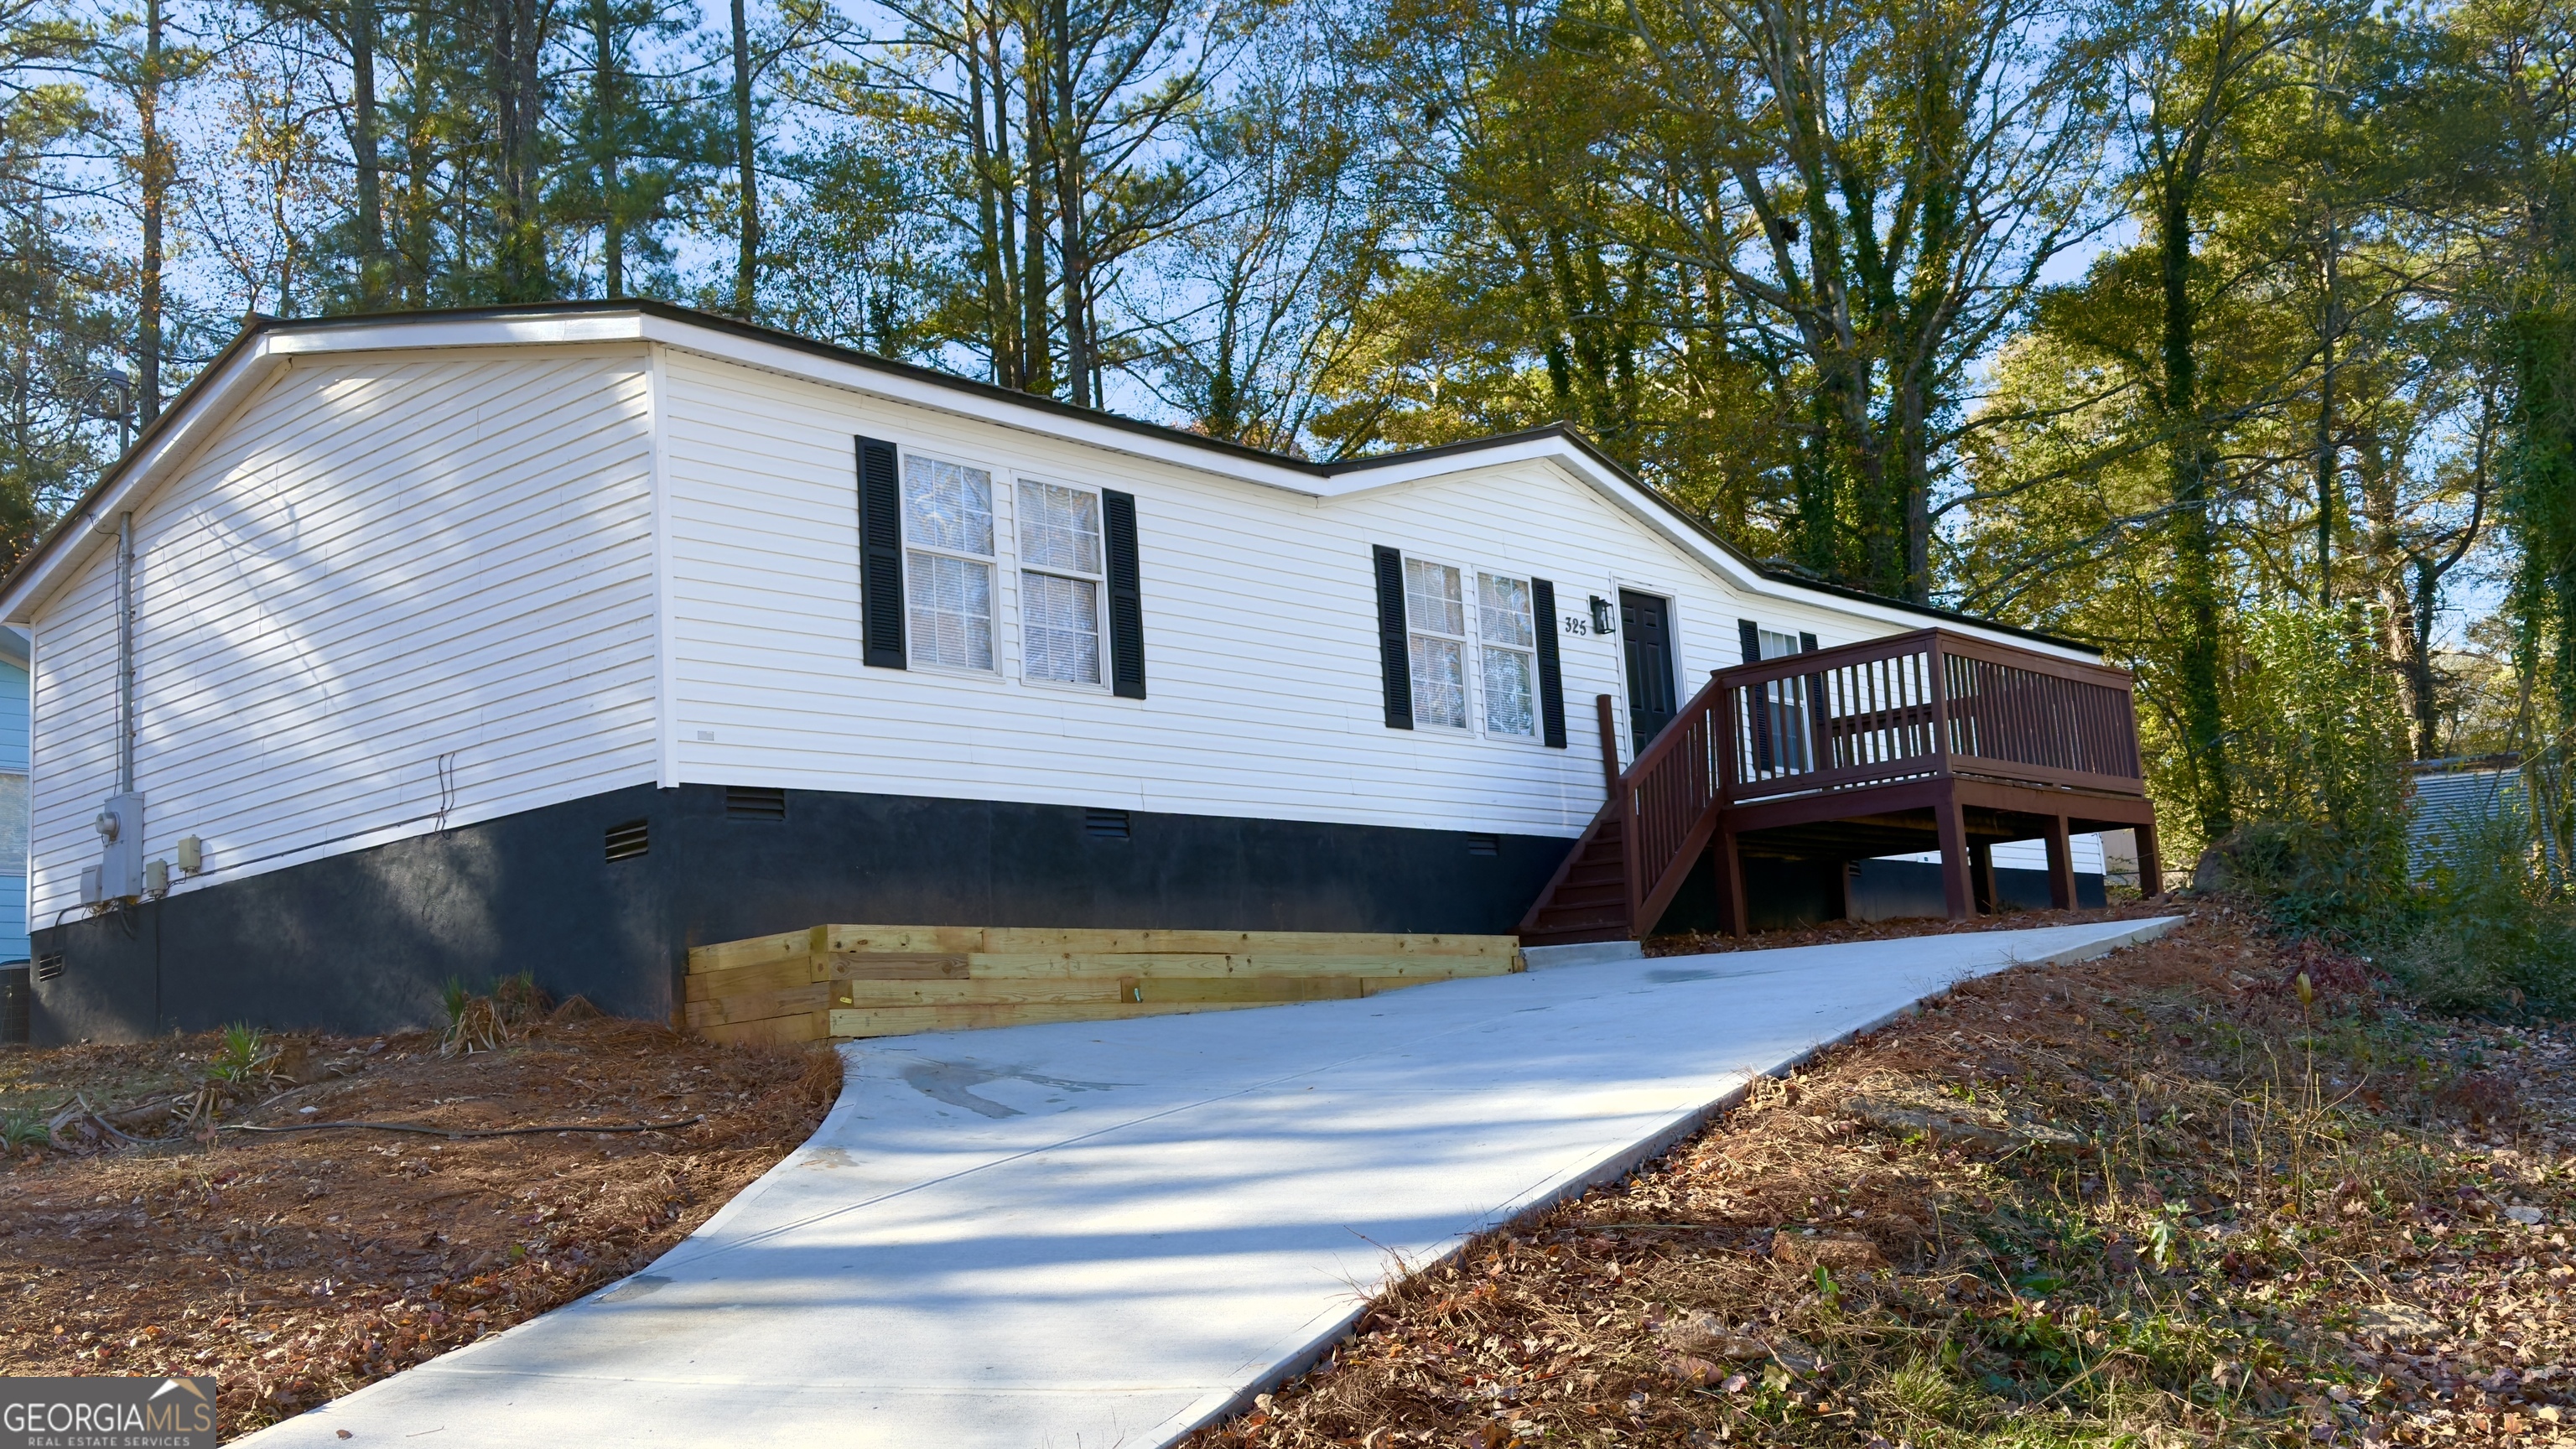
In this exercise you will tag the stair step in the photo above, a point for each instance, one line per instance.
(1567, 924)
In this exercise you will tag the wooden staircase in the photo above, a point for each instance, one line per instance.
(1588, 899)
(1632, 859)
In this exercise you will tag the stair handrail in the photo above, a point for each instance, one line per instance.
(1668, 800)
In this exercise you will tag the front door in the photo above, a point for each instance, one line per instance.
(1648, 623)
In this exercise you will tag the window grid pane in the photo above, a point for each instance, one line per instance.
(1786, 704)
(947, 505)
(1431, 598)
(1503, 613)
(1508, 698)
(1439, 682)
(1060, 628)
(1059, 528)
(951, 611)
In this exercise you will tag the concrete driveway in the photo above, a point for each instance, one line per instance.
(1104, 1234)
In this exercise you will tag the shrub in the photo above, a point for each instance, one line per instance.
(2489, 935)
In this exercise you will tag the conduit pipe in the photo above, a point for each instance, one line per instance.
(125, 653)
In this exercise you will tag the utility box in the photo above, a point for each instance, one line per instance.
(120, 856)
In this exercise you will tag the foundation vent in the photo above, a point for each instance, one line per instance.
(1484, 845)
(754, 802)
(627, 841)
(1105, 824)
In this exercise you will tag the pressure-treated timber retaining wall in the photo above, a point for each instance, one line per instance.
(835, 982)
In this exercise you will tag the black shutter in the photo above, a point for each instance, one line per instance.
(1758, 698)
(1393, 657)
(1551, 676)
(880, 556)
(1806, 643)
(1126, 596)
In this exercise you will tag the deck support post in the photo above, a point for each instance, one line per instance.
(1981, 875)
(1958, 895)
(2061, 866)
(2151, 866)
(1728, 861)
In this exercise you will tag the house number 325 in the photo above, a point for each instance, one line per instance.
(1577, 625)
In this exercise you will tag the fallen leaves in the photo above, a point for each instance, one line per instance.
(297, 1267)
(2145, 1200)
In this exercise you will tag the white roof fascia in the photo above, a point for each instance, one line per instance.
(407, 334)
(207, 413)
(940, 397)
(211, 408)
(1628, 496)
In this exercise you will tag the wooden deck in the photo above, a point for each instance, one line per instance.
(1923, 741)
(840, 982)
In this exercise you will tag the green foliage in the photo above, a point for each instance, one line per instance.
(242, 1057)
(2490, 935)
(23, 1127)
(2321, 749)
(481, 1022)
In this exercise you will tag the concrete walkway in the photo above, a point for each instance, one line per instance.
(1103, 1234)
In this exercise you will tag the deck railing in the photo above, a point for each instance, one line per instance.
(1924, 704)
(1907, 707)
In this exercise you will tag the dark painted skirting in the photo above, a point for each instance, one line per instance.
(1786, 894)
(364, 941)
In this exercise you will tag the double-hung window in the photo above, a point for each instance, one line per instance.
(1435, 616)
(1786, 704)
(1060, 581)
(948, 562)
(1506, 638)
(1472, 643)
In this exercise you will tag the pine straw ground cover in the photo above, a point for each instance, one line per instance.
(296, 1268)
(2152, 1200)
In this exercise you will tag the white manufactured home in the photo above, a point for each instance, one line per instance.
(567, 637)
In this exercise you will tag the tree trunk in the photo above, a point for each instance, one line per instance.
(2406, 612)
(1037, 353)
(417, 244)
(156, 192)
(518, 47)
(746, 148)
(2196, 550)
(372, 270)
(604, 104)
(2329, 500)
(1072, 249)
(993, 209)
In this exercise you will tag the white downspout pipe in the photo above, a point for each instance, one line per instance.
(125, 653)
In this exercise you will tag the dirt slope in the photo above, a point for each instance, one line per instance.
(2149, 1201)
(297, 1267)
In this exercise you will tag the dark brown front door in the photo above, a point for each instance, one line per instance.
(1647, 621)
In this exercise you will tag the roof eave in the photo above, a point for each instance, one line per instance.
(226, 378)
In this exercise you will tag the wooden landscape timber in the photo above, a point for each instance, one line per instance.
(840, 982)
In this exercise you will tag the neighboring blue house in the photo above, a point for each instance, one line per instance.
(13, 796)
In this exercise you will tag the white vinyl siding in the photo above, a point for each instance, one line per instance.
(1260, 623)
(385, 568)
(392, 591)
